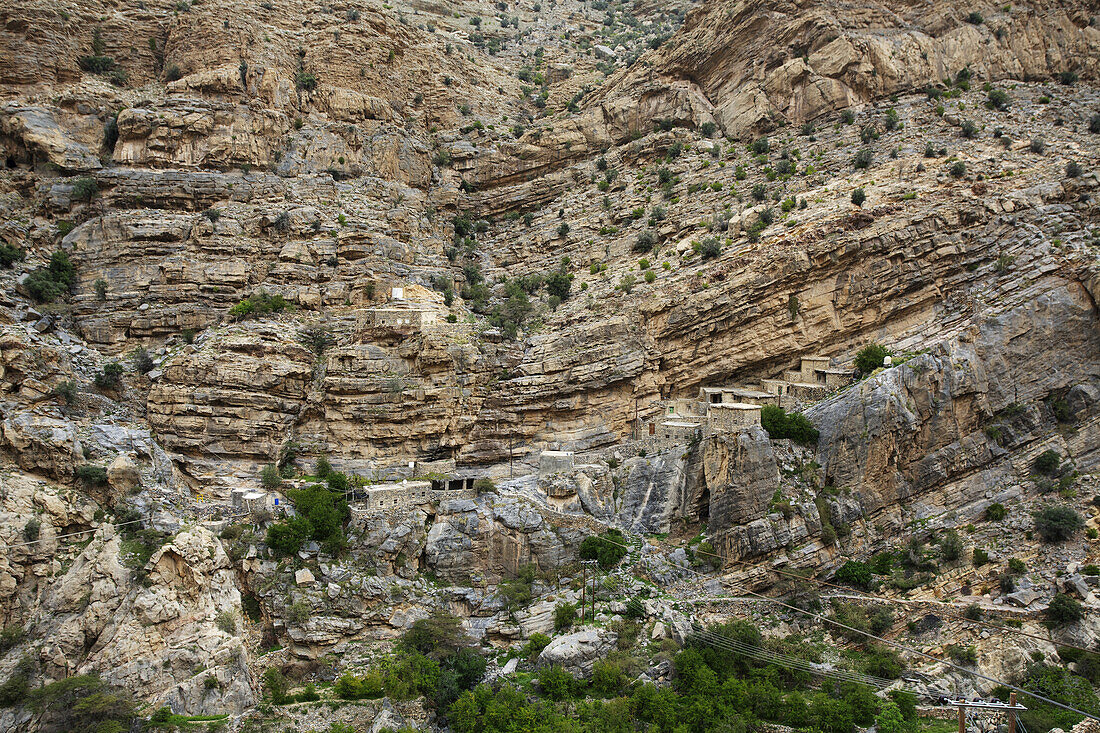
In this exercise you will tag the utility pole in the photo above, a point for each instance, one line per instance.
(584, 586)
(1010, 707)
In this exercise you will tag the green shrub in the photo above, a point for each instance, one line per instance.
(1057, 523)
(557, 684)
(1047, 462)
(270, 478)
(958, 170)
(995, 512)
(965, 655)
(1017, 566)
(32, 529)
(710, 248)
(110, 376)
(1064, 610)
(9, 255)
(91, 475)
(870, 358)
(645, 242)
(47, 284)
(950, 546)
(84, 189)
(973, 612)
(66, 391)
(257, 305)
(226, 621)
(565, 615)
(794, 426)
(968, 129)
(534, 646)
(858, 197)
(855, 573)
(305, 81)
(980, 557)
(863, 158)
(355, 687)
(606, 549)
(998, 99)
(143, 362)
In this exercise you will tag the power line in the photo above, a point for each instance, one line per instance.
(865, 596)
(888, 642)
(94, 529)
(70, 534)
(785, 660)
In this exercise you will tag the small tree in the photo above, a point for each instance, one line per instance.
(645, 241)
(950, 546)
(1058, 523)
(870, 358)
(1047, 462)
(855, 573)
(143, 362)
(1063, 610)
(710, 248)
(565, 615)
(858, 197)
(110, 376)
(998, 99)
(270, 478)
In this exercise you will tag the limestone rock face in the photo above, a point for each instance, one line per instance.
(43, 444)
(926, 417)
(748, 66)
(94, 615)
(34, 132)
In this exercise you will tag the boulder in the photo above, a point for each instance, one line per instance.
(123, 474)
(577, 652)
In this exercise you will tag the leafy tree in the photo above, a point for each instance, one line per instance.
(565, 615)
(606, 549)
(870, 358)
(1056, 683)
(890, 719)
(779, 424)
(436, 637)
(1048, 462)
(1064, 610)
(1057, 523)
(84, 702)
(855, 573)
(47, 284)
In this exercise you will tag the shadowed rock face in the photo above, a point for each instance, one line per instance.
(918, 435)
(920, 426)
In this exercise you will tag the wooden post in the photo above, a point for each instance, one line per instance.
(584, 587)
(1012, 713)
(962, 719)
